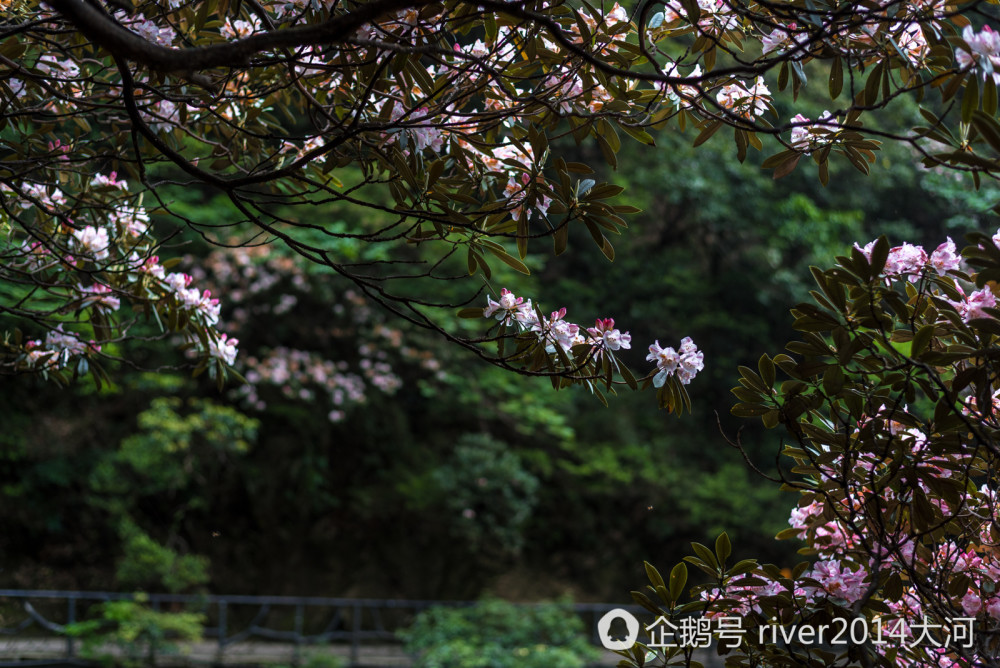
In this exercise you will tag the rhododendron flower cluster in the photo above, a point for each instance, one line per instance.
(746, 101)
(912, 41)
(716, 16)
(509, 308)
(356, 358)
(806, 137)
(909, 261)
(556, 331)
(681, 96)
(685, 364)
(100, 261)
(558, 338)
(192, 299)
(985, 55)
(972, 306)
(92, 243)
(782, 40)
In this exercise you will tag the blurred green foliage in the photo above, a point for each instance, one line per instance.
(496, 634)
(129, 633)
(146, 564)
(317, 659)
(487, 486)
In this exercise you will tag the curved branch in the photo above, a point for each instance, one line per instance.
(97, 26)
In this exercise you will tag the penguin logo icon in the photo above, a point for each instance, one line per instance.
(604, 629)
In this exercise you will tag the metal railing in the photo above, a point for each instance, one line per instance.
(231, 619)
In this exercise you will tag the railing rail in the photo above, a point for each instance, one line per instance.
(346, 617)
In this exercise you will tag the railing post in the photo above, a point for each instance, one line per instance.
(355, 633)
(70, 619)
(222, 632)
(299, 614)
(595, 616)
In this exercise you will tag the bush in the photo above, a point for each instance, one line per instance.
(488, 493)
(137, 632)
(497, 634)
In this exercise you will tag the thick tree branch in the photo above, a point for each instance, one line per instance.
(97, 26)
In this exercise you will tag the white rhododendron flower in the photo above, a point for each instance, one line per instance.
(92, 242)
(223, 349)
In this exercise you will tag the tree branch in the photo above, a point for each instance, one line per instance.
(101, 29)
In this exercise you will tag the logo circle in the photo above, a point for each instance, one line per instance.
(604, 629)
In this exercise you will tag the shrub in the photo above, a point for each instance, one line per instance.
(136, 631)
(497, 634)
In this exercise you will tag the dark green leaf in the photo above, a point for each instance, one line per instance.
(723, 548)
(970, 98)
(654, 575)
(678, 578)
(836, 78)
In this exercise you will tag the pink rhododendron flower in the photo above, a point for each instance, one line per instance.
(133, 221)
(162, 116)
(57, 68)
(558, 332)
(516, 191)
(58, 340)
(944, 258)
(985, 54)
(686, 362)
(775, 40)
(809, 137)
(511, 309)
(747, 102)
(150, 265)
(101, 297)
(35, 256)
(912, 42)
(35, 352)
(605, 335)
(147, 29)
(666, 360)
(691, 362)
(838, 580)
(223, 349)
(867, 250)
(972, 306)
(993, 607)
(972, 603)
(49, 198)
(683, 96)
(801, 517)
(906, 261)
(239, 28)
(111, 181)
(781, 41)
(177, 281)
